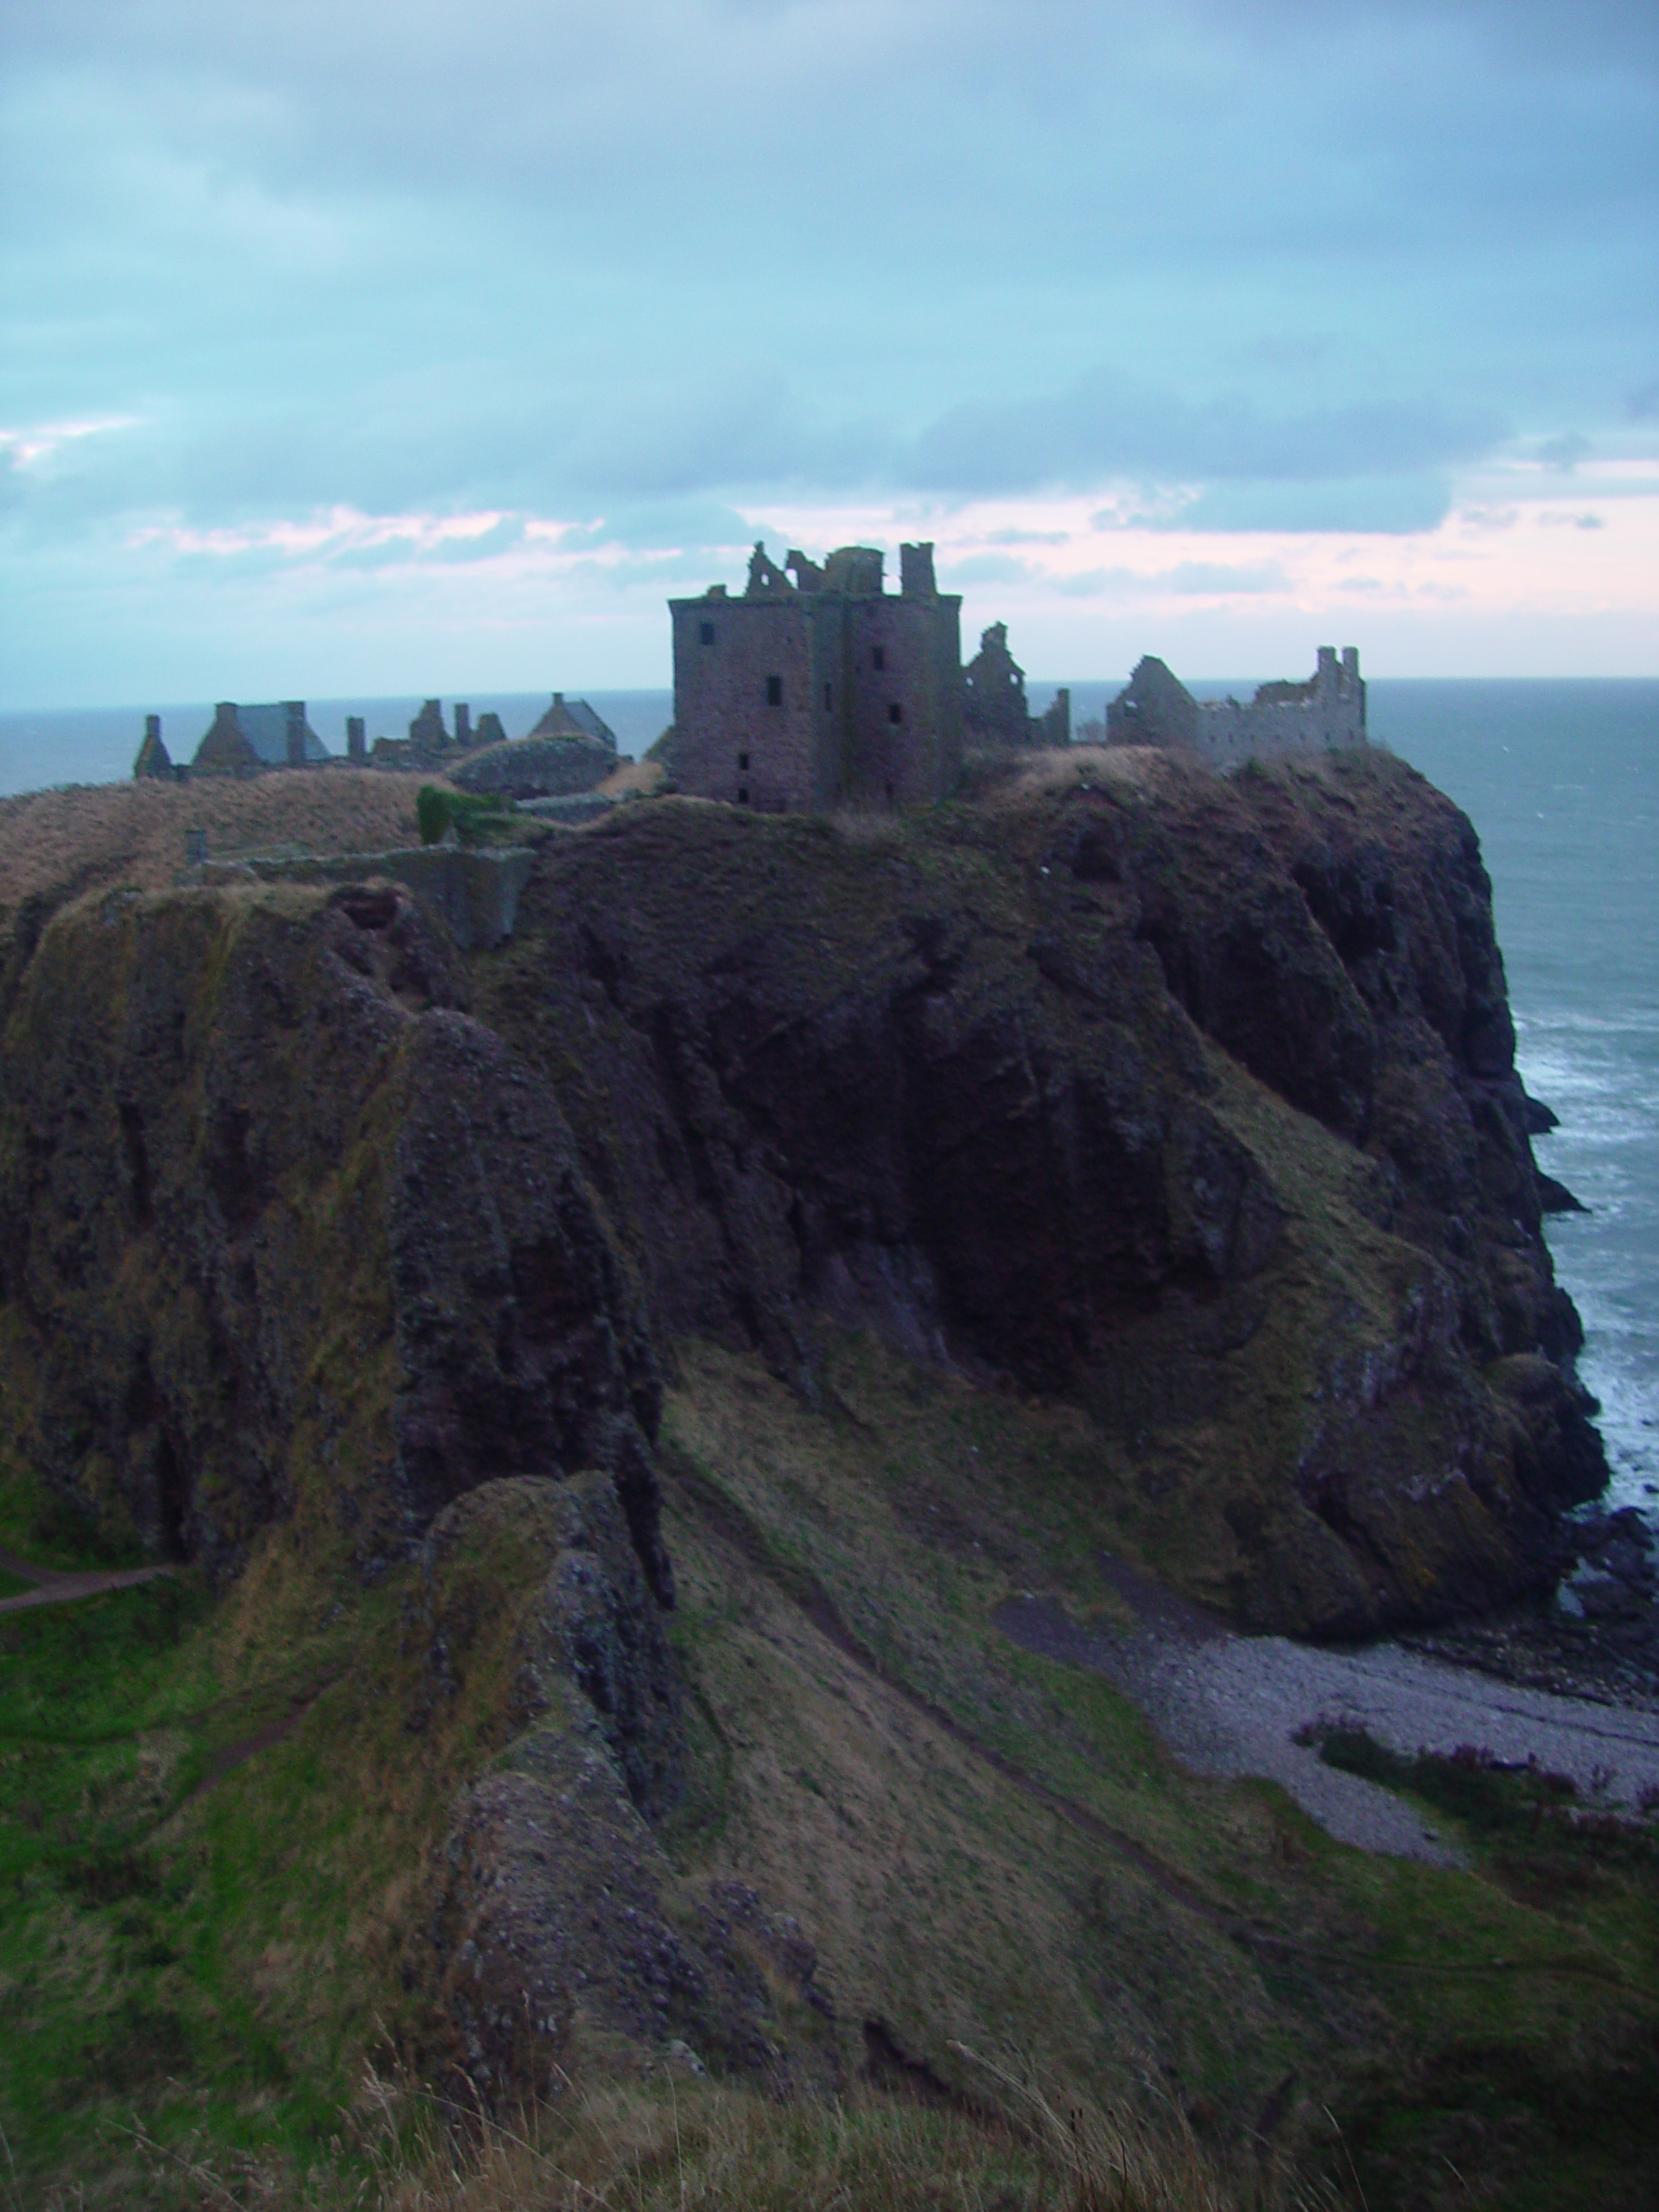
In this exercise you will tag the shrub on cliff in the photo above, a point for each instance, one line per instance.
(472, 819)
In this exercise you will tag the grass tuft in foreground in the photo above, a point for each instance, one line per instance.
(690, 2145)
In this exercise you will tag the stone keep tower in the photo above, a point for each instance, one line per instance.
(820, 687)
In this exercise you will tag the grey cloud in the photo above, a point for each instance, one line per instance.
(1565, 452)
(691, 524)
(1186, 579)
(1209, 577)
(1389, 505)
(1106, 425)
(383, 553)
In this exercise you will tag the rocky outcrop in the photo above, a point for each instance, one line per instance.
(557, 1915)
(964, 1085)
(286, 1235)
(1191, 1100)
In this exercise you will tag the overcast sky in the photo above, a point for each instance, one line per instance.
(431, 346)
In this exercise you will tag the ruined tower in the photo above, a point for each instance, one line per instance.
(819, 687)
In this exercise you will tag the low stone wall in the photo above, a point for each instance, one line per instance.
(475, 892)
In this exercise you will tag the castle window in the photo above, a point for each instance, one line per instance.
(895, 712)
(774, 690)
(826, 698)
(878, 658)
(706, 632)
(743, 762)
(742, 794)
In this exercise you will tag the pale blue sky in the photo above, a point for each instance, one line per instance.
(430, 346)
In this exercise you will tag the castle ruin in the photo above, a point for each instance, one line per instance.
(994, 708)
(819, 687)
(1328, 711)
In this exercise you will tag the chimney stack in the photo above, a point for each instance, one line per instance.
(357, 744)
(294, 709)
(463, 724)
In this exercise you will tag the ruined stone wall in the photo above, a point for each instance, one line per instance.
(904, 710)
(1156, 708)
(1289, 718)
(224, 751)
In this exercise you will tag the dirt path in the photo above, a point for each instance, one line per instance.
(1233, 1705)
(53, 1586)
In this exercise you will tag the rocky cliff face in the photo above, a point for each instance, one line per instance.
(1191, 1100)
(287, 1234)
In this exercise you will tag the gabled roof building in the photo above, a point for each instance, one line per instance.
(574, 718)
(246, 740)
(154, 761)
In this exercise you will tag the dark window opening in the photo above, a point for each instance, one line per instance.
(774, 690)
(889, 794)
(895, 712)
(743, 760)
(878, 658)
(826, 698)
(742, 794)
(706, 632)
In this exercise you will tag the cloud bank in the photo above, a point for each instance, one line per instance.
(630, 280)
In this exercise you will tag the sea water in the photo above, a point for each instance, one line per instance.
(1561, 780)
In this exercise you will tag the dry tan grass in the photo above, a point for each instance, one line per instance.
(645, 777)
(1136, 768)
(686, 2145)
(86, 837)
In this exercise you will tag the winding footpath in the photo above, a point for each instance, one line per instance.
(53, 1586)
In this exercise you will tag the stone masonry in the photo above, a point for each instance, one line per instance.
(818, 687)
(994, 708)
(1328, 711)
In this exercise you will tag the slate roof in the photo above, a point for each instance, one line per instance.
(266, 730)
(574, 718)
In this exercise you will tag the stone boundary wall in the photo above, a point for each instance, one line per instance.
(475, 893)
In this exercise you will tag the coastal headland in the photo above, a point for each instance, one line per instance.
(637, 1411)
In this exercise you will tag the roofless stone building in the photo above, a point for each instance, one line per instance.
(1328, 711)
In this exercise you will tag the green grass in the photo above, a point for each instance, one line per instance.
(988, 1848)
